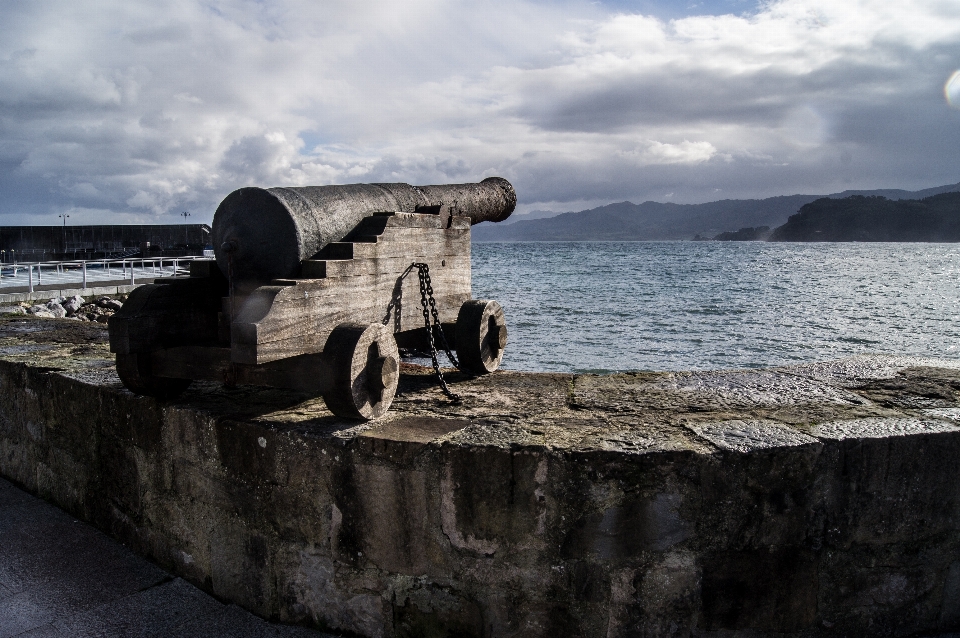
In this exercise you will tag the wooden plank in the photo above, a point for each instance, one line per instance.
(396, 265)
(185, 362)
(257, 304)
(411, 253)
(299, 333)
(159, 315)
(335, 250)
(307, 372)
(414, 220)
(399, 242)
(459, 222)
(287, 334)
(421, 235)
(375, 224)
(364, 239)
(264, 296)
(347, 291)
(375, 285)
(411, 248)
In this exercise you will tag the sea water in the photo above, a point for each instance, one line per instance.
(619, 306)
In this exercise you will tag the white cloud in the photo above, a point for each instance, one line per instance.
(685, 152)
(147, 109)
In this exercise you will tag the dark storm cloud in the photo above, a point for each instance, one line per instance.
(664, 97)
(692, 96)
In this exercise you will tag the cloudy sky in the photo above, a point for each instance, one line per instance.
(119, 111)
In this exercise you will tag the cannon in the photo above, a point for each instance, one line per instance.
(317, 288)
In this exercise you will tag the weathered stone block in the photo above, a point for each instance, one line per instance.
(815, 500)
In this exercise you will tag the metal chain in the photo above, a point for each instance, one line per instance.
(430, 311)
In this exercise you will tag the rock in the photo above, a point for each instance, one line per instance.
(12, 310)
(91, 316)
(36, 308)
(102, 319)
(43, 313)
(72, 304)
(107, 302)
(56, 310)
(56, 300)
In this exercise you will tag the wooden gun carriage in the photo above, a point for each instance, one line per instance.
(316, 288)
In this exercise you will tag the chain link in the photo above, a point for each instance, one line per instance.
(430, 312)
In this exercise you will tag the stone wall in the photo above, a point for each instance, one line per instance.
(813, 500)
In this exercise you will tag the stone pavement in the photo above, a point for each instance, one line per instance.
(60, 577)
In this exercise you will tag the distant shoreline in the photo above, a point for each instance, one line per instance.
(654, 221)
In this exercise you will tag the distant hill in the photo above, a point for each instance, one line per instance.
(875, 218)
(534, 214)
(896, 193)
(626, 221)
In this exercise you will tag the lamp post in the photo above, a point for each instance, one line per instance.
(64, 216)
(185, 215)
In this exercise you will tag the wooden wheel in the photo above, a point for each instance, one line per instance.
(481, 336)
(365, 369)
(134, 371)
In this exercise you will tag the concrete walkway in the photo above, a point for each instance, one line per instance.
(63, 578)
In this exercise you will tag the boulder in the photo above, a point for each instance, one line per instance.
(111, 304)
(72, 304)
(12, 310)
(56, 310)
(36, 308)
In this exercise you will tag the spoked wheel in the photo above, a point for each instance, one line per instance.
(134, 371)
(481, 336)
(365, 368)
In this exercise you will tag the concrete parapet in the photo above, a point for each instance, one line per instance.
(811, 500)
(48, 292)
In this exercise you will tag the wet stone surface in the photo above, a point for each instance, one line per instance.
(817, 499)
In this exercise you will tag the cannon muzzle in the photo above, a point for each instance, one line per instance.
(264, 233)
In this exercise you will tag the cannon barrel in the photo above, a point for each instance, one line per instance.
(267, 232)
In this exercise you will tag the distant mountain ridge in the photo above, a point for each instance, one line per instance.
(652, 221)
(857, 218)
(534, 214)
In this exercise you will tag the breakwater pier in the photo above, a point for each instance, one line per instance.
(807, 500)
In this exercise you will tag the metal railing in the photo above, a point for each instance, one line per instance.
(85, 272)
